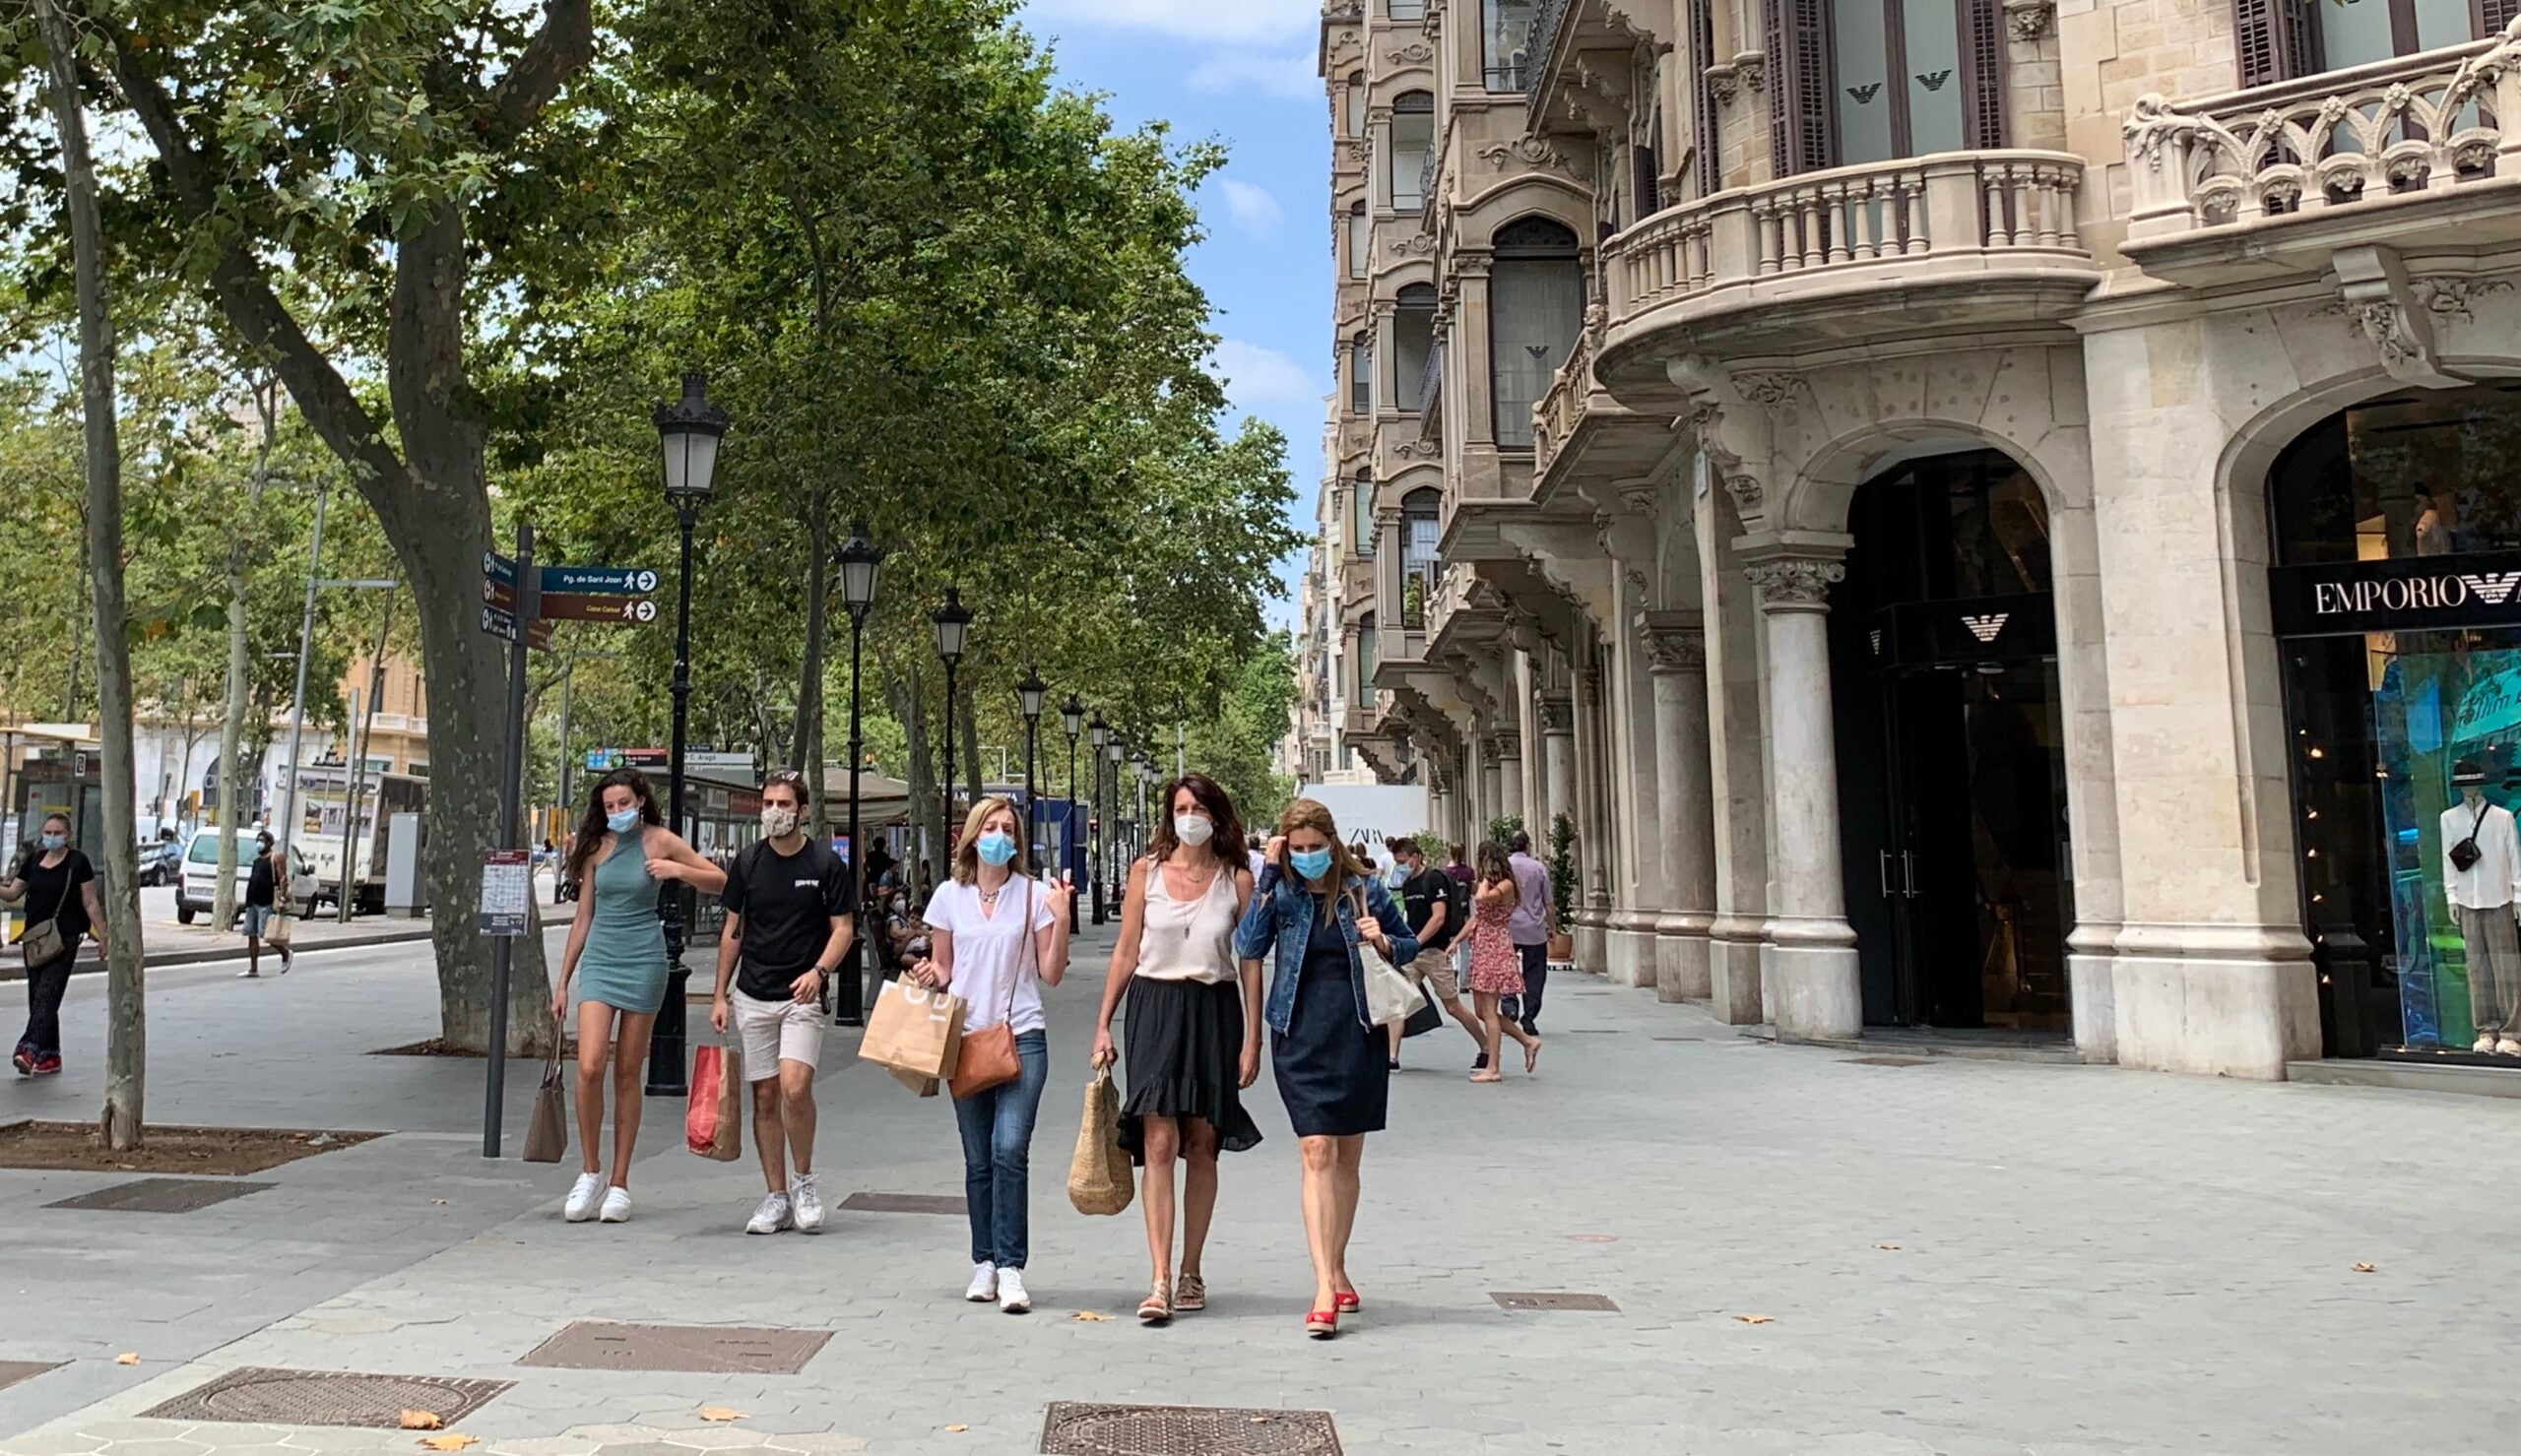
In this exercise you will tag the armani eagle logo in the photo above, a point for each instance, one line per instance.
(1985, 628)
(2492, 588)
(1864, 94)
(1933, 80)
(1877, 642)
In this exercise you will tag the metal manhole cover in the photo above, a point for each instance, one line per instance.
(15, 1371)
(1506, 1301)
(161, 1195)
(1887, 1062)
(918, 1203)
(593, 1345)
(1077, 1430)
(268, 1397)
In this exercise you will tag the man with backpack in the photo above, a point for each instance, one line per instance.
(1438, 907)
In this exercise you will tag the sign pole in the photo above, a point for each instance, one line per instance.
(511, 771)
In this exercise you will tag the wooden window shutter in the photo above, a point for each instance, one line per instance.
(1798, 62)
(1708, 145)
(2494, 15)
(1982, 58)
(2275, 40)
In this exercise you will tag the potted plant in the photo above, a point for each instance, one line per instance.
(1503, 829)
(1562, 885)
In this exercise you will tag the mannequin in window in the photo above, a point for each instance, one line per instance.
(2482, 878)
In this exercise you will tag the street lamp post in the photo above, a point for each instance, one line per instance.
(952, 622)
(688, 432)
(1112, 752)
(1029, 694)
(858, 561)
(1071, 718)
(1099, 734)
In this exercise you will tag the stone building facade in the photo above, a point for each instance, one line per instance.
(1989, 515)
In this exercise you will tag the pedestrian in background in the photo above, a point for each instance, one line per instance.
(1426, 902)
(1534, 921)
(1497, 964)
(1195, 1026)
(998, 936)
(788, 929)
(1315, 903)
(58, 887)
(616, 953)
(266, 897)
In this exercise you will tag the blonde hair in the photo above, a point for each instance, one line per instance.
(967, 850)
(1314, 814)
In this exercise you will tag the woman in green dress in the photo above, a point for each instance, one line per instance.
(616, 953)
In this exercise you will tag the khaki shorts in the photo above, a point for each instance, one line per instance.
(1434, 970)
(774, 1032)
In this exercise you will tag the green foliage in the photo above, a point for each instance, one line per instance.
(1503, 829)
(1238, 746)
(1562, 865)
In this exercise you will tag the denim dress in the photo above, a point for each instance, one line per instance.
(1331, 1061)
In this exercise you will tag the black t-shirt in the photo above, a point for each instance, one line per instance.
(262, 886)
(55, 892)
(787, 903)
(1420, 894)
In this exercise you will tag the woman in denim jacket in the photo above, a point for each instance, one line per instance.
(1328, 1057)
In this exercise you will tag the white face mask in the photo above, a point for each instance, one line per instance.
(1193, 830)
(778, 821)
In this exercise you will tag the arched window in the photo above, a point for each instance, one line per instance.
(1360, 239)
(1506, 42)
(1361, 375)
(1536, 306)
(1421, 527)
(1413, 144)
(1366, 651)
(1413, 338)
(1353, 107)
(1361, 513)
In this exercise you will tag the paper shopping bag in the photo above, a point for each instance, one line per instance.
(1098, 1177)
(920, 1086)
(913, 1029)
(711, 1125)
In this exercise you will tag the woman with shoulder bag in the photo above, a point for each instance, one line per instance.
(1194, 1026)
(997, 937)
(266, 908)
(58, 887)
(1315, 905)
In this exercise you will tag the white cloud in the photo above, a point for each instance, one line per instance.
(1290, 76)
(1255, 211)
(1256, 378)
(1218, 22)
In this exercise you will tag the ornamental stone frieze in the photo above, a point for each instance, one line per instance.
(1796, 581)
(1672, 649)
(1530, 150)
(1557, 713)
(1415, 53)
(2028, 20)
(2374, 287)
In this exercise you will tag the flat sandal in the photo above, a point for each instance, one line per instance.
(1157, 1307)
(1190, 1294)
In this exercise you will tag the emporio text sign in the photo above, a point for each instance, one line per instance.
(2405, 596)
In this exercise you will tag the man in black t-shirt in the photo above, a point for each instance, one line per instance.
(789, 922)
(1425, 900)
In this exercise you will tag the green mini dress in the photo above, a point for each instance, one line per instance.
(622, 964)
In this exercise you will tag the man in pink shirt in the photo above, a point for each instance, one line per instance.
(1534, 915)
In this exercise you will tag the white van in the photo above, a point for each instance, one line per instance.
(196, 890)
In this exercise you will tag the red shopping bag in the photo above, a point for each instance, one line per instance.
(711, 1125)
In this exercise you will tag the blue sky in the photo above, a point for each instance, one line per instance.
(1240, 71)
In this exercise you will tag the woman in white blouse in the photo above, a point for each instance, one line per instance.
(981, 950)
(1195, 1026)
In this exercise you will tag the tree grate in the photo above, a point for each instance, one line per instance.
(1072, 1428)
(160, 1195)
(267, 1397)
(593, 1345)
(1599, 1303)
(911, 1203)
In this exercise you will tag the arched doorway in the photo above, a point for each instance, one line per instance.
(2396, 596)
(1951, 749)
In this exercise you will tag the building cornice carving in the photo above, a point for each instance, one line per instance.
(1771, 391)
(1556, 712)
(1530, 150)
(1796, 581)
(1673, 649)
(2399, 320)
(1415, 53)
(2028, 20)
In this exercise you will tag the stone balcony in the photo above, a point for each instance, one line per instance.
(2412, 152)
(1356, 587)
(1577, 427)
(1918, 246)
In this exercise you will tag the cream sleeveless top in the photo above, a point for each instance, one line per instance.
(1188, 940)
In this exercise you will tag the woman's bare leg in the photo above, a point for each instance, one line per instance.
(628, 1101)
(1322, 1215)
(1198, 1189)
(1351, 1157)
(595, 1041)
(1161, 1138)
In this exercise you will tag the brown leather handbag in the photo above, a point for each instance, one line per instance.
(988, 1058)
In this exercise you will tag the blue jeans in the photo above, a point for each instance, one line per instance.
(998, 1155)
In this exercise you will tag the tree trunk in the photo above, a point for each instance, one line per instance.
(903, 696)
(126, 1020)
(805, 755)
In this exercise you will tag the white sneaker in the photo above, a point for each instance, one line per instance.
(805, 1196)
(771, 1217)
(617, 1205)
(2508, 1047)
(1011, 1297)
(2485, 1044)
(984, 1283)
(582, 1196)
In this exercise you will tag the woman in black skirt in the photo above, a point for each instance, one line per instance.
(1194, 1026)
(1312, 908)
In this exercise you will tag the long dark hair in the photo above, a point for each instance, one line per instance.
(1226, 844)
(592, 828)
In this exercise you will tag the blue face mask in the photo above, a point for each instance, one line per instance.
(1312, 864)
(996, 849)
(53, 841)
(623, 822)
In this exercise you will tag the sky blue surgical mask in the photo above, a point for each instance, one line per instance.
(996, 849)
(623, 822)
(53, 841)
(1312, 864)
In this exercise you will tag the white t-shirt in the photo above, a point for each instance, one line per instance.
(991, 954)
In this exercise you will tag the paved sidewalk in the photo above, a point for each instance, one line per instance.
(1959, 1257)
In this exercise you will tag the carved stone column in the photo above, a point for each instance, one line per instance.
(1590, 912)
(1813, 983)
(1509, 750)
(1684, 807)
(1558, 763)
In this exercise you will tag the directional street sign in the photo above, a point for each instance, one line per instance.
(606, 581)
(500, 622)
(585, 607)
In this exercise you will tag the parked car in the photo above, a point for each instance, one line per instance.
(196, 891)
(161, 862)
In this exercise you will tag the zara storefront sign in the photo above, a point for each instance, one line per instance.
(2410, 595)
